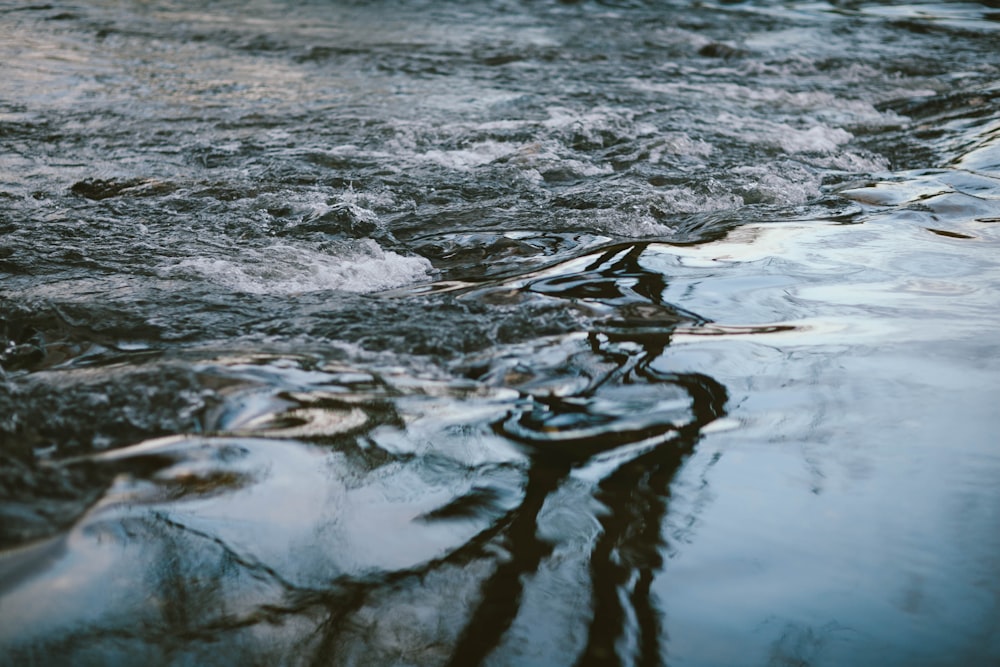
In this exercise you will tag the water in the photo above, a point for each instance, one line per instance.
(539, 333)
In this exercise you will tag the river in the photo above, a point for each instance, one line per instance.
(509, 333)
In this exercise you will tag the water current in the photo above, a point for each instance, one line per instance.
(505, 333)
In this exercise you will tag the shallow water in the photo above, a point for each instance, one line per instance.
(527, 333)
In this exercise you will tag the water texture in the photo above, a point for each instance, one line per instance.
(509, 333)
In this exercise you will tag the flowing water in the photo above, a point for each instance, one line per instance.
(507, 333)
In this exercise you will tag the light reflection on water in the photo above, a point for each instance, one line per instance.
(569, 334)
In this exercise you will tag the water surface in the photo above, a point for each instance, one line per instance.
(524, 333)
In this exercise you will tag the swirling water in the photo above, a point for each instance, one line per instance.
(515, 333)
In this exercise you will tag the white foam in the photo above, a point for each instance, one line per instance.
(475, 155)
(678, 143)
(816, 105)
(548, 155)
(851, 161)
(802, 123)
(685, 200)
(308, 206)
(781, 183)
(599, 119)
(817, 139)
(284, 268)
(593, 125)
(628, 223)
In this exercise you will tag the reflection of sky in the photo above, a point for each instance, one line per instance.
(883, 528)
(849, 508)
(856, 513)
(307, 515)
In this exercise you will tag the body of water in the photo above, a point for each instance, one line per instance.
(503, 333)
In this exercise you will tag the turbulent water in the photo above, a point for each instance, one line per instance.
(507, 333)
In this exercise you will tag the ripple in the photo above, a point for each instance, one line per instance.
(576, 429)
(515, 333)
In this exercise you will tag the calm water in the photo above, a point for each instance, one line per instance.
(508, 333)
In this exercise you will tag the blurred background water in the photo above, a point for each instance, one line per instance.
(515, 333)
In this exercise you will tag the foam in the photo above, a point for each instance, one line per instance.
(685, 200)
(780, 183)
(591, 125)
(817, 139)
(817, 105)
(478, 154)
(632, 224)
(284, 268)
(546, 140)
(678, 144)
(546, 155)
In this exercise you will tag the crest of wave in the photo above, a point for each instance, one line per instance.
(285, 268)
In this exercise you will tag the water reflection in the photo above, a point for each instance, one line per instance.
(561, 433)
(310, 501)
(487, 468)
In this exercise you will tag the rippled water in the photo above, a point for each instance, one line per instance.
(516, 333)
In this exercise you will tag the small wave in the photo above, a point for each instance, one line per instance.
(818, 105)
(818, 138)
(288, 269)
(599, 126)
(474, 156)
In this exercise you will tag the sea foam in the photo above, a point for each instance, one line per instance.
(284, 268)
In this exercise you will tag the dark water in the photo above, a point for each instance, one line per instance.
(513, 333)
